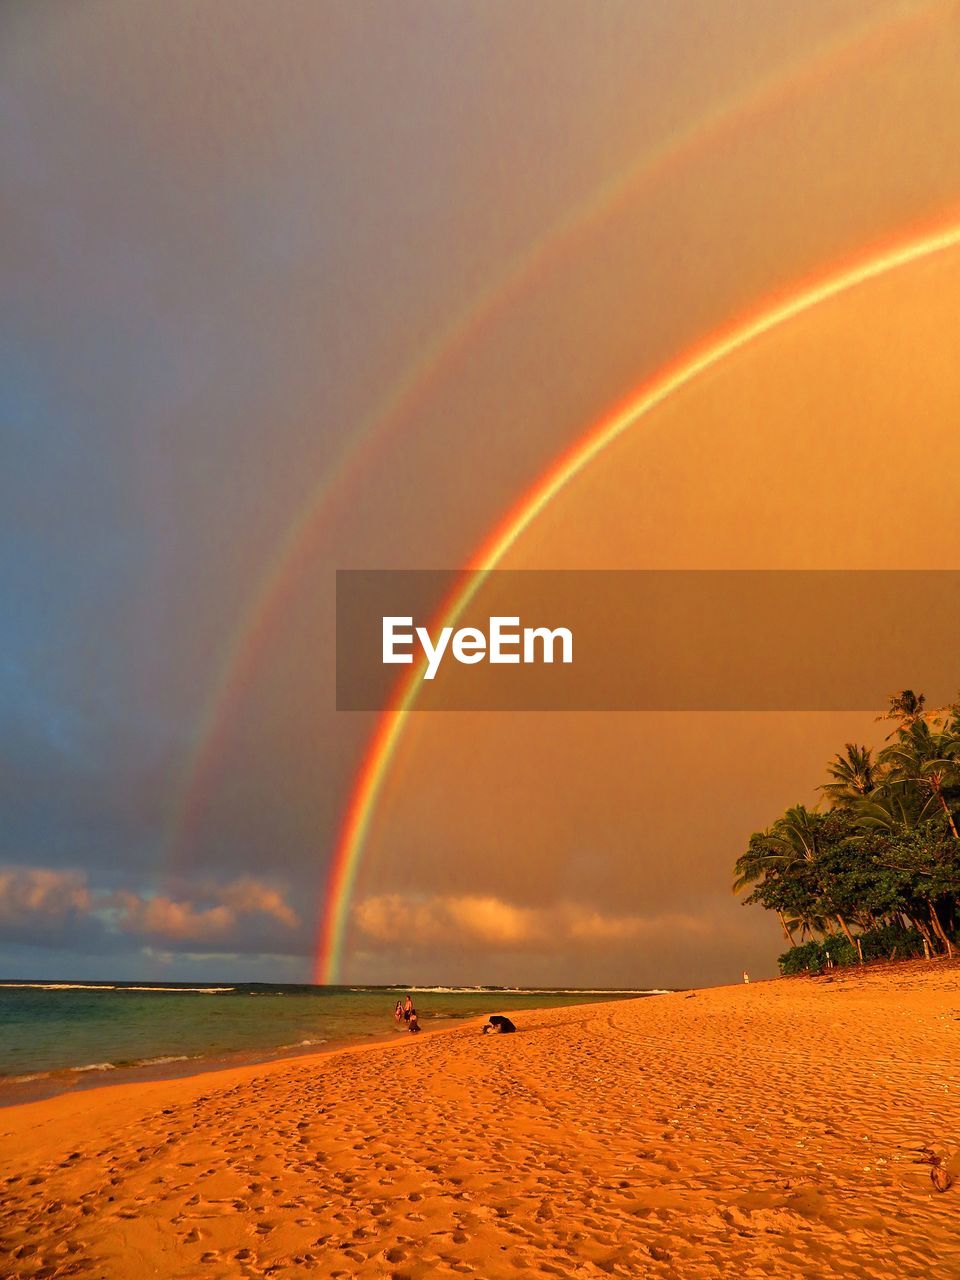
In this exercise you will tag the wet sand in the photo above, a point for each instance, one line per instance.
(750, 1131)
(44, 1085)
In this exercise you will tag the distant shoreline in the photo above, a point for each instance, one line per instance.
(111, 1058)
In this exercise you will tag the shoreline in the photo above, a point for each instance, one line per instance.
(78, 1080)
(43, 1086)
(44, 1082)
(737, 1131)
(69, 1081)
(231, 1074)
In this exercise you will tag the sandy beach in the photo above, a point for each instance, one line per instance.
(763, 1130)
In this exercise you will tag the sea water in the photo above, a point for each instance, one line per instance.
(64, 1029)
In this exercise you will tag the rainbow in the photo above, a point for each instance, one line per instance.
(250, 639)
(742, 333)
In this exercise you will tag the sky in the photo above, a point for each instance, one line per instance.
(312, 286)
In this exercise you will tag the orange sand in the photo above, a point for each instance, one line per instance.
(769, 1130)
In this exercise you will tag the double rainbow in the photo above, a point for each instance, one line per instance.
(305, 534)
(277, 584)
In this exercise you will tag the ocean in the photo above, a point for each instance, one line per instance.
(56, 1035)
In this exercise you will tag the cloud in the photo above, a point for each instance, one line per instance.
(41, 893)
(469, 922)
(185, 921)
(38, 900)
(170, 920)
(250, 896)
(591, 926)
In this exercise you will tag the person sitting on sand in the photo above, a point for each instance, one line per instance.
(499, 1025)
(407, 1008)
(414, 1024)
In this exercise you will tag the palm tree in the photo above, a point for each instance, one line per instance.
(853, 776)
(764, 861)
(895, 807)
(924, 758)
(782, 850)
(907, 708)
(887, 855)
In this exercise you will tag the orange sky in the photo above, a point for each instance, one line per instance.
(229, 238)
(832, 444)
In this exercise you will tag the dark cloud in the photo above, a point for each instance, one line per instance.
(56, 908)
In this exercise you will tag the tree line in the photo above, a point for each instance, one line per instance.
(874, 872)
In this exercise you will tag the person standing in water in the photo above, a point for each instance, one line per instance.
(407, 1008)
(398, 1011)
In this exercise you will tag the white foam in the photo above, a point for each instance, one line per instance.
(61, 986)
(184, 990)
(106, 986)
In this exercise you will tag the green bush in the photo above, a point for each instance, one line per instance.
(888, 942)
(808, 957)
(891, 942)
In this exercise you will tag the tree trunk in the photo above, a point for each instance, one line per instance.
(935, 920)
(924, 933)
(946, 809)
(787, 932)
(847, 934)
(935, 926)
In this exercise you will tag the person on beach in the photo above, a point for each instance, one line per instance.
(413, 1021)
(398, 1011)
(407, 1008)
(499, 1025)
